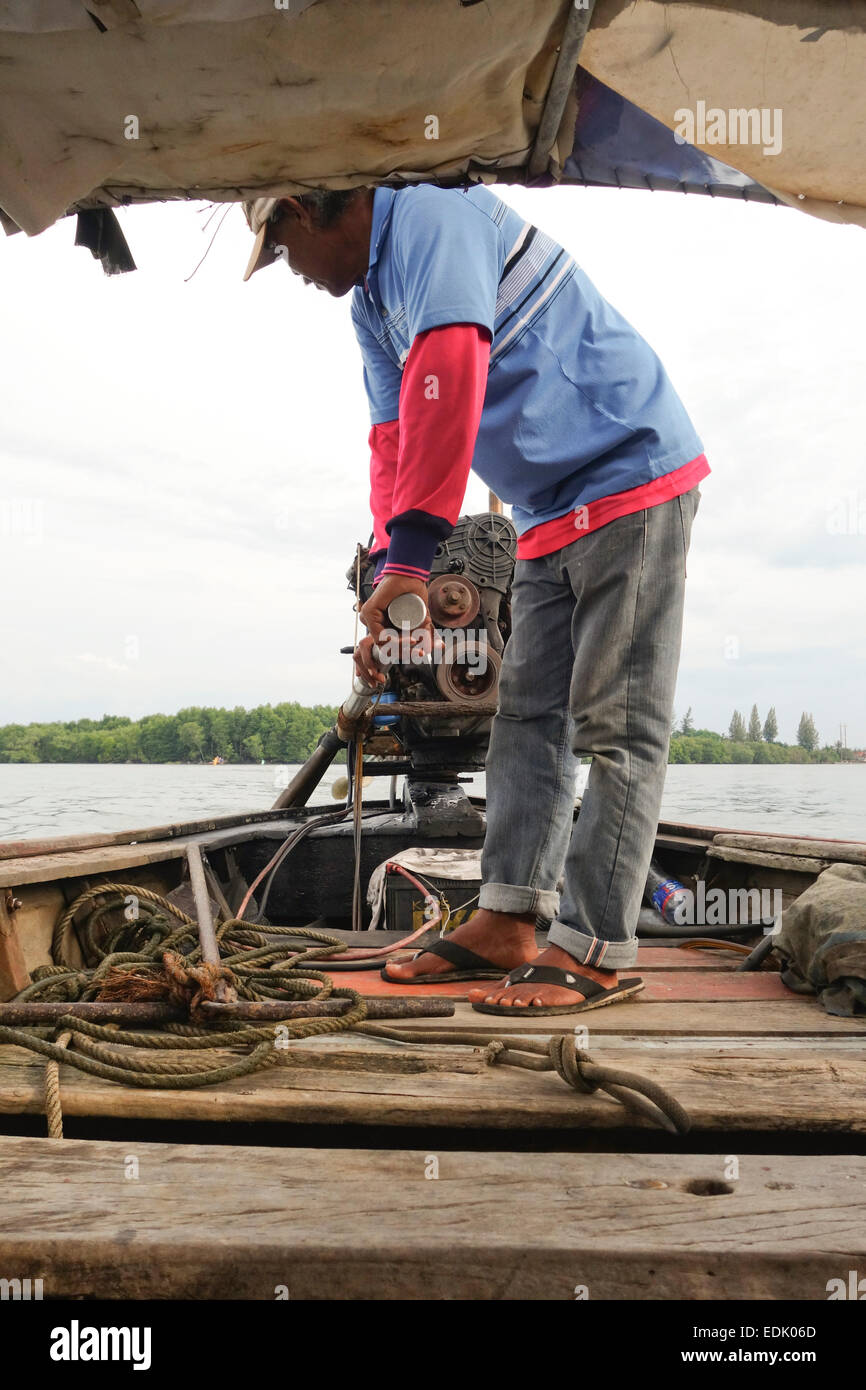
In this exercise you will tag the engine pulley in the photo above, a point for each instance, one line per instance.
(454, 601)
(470, 675)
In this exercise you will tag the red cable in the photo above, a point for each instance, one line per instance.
(361, 954)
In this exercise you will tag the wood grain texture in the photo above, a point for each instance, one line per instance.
(797, 1016)
(765, 859)
(357, 1080)
(830, 851)
(232, 1222)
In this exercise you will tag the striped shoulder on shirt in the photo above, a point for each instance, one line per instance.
(535, 268)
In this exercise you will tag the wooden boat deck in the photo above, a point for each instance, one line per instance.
(202, 1221)
(738, 1050)
(769, 1079)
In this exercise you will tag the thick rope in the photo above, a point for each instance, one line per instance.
(560, 1054)
(63, 928)
(53, 1108)
(158, 956)
(578, 1069)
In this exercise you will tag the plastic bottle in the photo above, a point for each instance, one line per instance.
(667, 895)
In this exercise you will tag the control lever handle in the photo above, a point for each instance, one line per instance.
(407, 610)
(404, 611)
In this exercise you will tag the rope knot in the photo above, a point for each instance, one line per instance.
(569, 1062)
(492, 1051)
(176, 980)
(190, 985)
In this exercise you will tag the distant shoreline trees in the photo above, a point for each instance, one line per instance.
(288, 733)
(737, 728)
(285, 733)
(755, 743)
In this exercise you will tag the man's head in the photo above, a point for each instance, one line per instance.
(324, 236)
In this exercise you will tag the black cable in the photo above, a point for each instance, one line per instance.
(759, 954)
(684, 933)
(293, 839)
(331, 818)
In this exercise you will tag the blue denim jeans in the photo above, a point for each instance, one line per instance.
(589, 671)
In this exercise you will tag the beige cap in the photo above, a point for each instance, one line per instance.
(257, 213)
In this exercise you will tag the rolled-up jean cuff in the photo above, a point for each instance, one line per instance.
(615, 955)
(517, 897)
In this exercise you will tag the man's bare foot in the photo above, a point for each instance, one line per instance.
(540, 996)
(504, 938)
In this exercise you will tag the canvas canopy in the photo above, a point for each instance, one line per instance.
(140, 100)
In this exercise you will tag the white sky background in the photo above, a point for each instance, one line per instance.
(183, 467)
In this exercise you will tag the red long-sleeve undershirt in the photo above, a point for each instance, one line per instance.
(420, 462)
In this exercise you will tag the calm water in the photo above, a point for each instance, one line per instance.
(66, 799)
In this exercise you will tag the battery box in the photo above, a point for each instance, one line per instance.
(404, 905)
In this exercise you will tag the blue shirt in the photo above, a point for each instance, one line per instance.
(577, 407)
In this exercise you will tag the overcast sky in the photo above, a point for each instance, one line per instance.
(184, 465)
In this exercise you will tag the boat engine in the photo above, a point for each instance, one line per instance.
(470, 606)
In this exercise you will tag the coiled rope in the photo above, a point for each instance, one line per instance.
(156, 954)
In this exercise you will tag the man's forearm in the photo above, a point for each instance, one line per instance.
(441, 399)
(384, 441)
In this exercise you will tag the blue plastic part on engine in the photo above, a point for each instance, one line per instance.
(383, 720)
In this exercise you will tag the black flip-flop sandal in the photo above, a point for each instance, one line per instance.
(595, 996)
(469, 965)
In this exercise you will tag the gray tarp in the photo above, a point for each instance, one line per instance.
(823, 940)
(238, 97)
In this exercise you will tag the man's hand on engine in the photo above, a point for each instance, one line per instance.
(374, 616)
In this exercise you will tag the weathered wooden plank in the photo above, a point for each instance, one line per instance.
(800, 1016)
(114, 858)
(720, 1045)
(659, 985)
(836, 851)
(45, 868)
(34, 846)
(105, 1220)
(454, 1088)
(764, 859)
